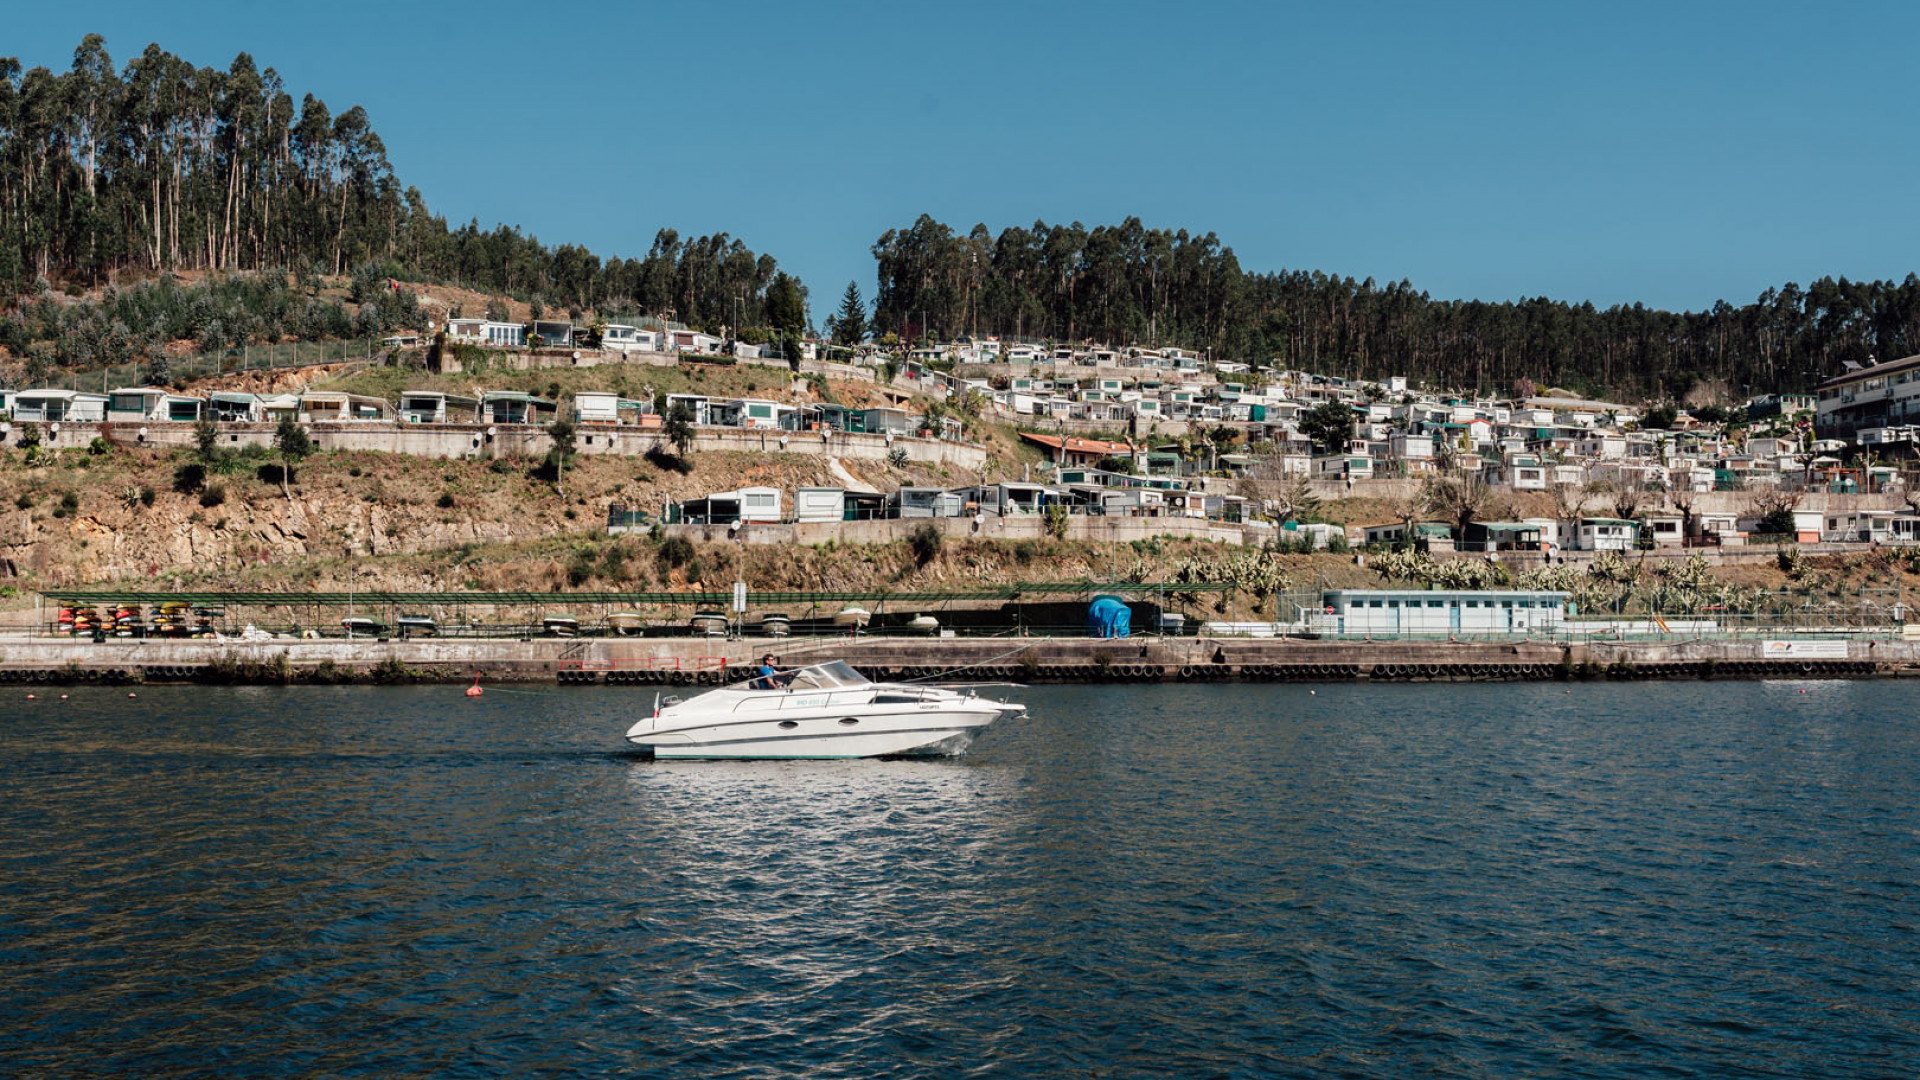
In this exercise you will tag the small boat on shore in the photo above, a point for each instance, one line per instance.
(820, 711)
(853, 615)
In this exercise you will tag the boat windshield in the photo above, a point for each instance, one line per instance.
(826, 676)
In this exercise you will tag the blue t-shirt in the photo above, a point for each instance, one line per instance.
(768, 674)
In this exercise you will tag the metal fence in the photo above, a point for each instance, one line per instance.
(276, 357)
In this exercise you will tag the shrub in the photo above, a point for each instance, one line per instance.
(147, 495)
(445, 501)
(662, 458)
(925, 542)
(189, 478)
(214, 495)
(99, 446)
(676, 551)
(206, 440)
(580, 566)
(1057, 521)
(25, 501)
(614, 564)
(291, 439)
(70, 502)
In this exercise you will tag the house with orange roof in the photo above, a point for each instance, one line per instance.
(1072, 450)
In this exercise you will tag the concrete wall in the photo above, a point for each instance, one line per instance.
(566, 358)
(993, 527)
(470, 440)
(543, 657)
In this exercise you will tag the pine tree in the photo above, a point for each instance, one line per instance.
(850, 322)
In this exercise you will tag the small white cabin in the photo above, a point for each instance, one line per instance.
(434, 407)
(55, 406)
(137, 403)
(596, 407)
(625, 339)
(1438, 612)
(819, 504)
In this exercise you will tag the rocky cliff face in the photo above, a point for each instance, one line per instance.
(124, 515)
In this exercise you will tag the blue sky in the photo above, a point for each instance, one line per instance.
(1670, 153)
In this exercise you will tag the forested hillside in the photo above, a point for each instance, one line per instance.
(1129, 283)
(162, 165)
(113, 174)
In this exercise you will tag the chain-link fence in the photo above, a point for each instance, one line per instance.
(275, 357)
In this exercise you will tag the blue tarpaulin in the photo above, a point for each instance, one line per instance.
(1108, 617)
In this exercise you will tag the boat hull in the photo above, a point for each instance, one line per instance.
(942, 731)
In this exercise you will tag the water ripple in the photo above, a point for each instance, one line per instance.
(1686, 879)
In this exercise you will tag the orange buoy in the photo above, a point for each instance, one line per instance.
(474, 690)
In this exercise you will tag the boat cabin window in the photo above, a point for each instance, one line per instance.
(826, 676)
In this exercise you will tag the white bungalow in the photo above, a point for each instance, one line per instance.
(504, 335)
(329, 405)
(514, 407)
(1859, 527)
(1606, 534)
(726, 507)
(55, 406)
(228, 406)
(596, 407)
(621, 338)
(814, 504)
(151, 403)
(692, 341)
(434, 407)
(1437, 612)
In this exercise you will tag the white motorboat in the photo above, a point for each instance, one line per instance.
(823, 711)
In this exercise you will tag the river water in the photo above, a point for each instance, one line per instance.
(1473, 880)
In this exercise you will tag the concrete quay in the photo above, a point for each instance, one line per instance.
(710, 661)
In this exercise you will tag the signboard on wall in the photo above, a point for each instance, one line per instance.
(1803, 650)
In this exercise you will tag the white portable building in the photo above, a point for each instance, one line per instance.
(819, 503)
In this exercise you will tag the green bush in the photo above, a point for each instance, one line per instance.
(580, 566)
(1057, 521)
(445, 502)
(214, 495)
(925, 542)
(189, 478)
(675, 552)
